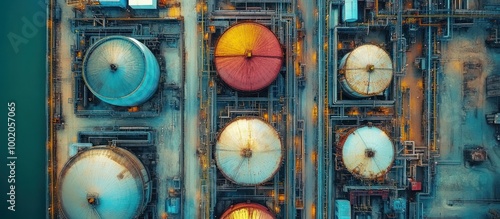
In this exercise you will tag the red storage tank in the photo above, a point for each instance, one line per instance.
(247, 210)
(248, 56)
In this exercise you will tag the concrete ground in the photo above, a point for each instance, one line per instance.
(308, 105)
(412, 105)
(192, 185)
(167, 124)
(462, 122)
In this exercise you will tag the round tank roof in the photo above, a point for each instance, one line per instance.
(247, 211)
(368, 152)
(248, 151)
(248, 56)
(121, 71)
(367, 70)
(103, 182)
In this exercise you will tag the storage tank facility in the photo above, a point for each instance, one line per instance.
(350, 13)
(248, 151)
(121, 71)
(248, 56)
(103, 182)
(366, 71)
(367, 152)
(247, 211)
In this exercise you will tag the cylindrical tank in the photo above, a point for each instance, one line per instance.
(366, 71)
(248, 56)
(247, 211)
(121, 71)
(367, 152)
(103, 182)
(350, 11)
(333, 17)
(248, 151)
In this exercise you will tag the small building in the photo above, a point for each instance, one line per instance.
(113, 3)
(143, 4)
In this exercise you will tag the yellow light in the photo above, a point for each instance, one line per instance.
(277, 209)
(174, 12)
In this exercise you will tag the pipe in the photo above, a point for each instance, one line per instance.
(448, 22)
(321, 109)
(290, 208)
(427, 193)
(239, 13)
(428, 24)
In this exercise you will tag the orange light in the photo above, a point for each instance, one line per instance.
(281, 197)
(133, 109)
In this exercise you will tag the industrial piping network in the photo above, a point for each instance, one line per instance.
(321, 110)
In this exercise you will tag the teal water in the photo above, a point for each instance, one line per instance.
(22, 80)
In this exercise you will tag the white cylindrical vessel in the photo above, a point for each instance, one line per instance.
(248, 151)
(366, 71)
(367, 152)
(103, 182)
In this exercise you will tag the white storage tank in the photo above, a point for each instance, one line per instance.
(367, 152)
(121, 71)
(113, 3)
(248, 151)
(350, 13)
(103, 182)
(366, 71)
(143, 4)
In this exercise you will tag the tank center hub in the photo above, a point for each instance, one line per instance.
(92, 200)
(113, 67)
(248, 53)
(370, 68)
(369, 153)
(247, 153)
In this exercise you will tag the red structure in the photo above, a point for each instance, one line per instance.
(247, 210)
(248, 56)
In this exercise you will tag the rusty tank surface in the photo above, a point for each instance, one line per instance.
(367, 152)
(366, 71)
(103, 182)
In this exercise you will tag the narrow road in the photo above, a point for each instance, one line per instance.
(308, 98)
(191, 208)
